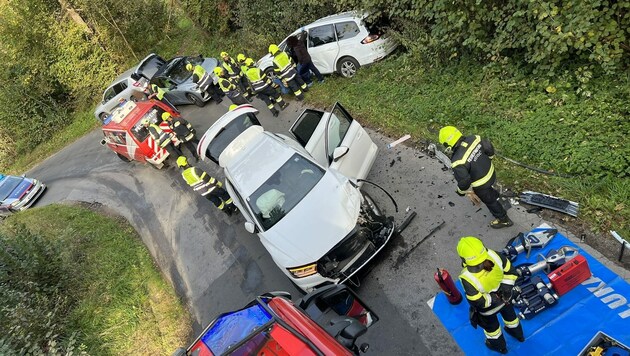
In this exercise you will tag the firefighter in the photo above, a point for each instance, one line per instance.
(285, 70)
(233, 71)
(232, 107)
(230, 87)
(263, 88)
(161, 138)
(474, 172)
(488, 279)
(160, 94)
(207, 186)
(204, 81)
(183, 131)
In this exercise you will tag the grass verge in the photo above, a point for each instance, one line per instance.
(115, 299)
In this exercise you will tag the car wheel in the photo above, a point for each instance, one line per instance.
(347, 67)
(102, 116)
(123, 158)
(194, 99)
(133, 98)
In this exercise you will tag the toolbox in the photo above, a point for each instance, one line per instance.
(569, 275)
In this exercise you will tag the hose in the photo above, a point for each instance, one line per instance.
(535, 169)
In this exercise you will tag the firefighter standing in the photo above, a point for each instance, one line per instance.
(161, 138)
(183, 131)
(204, 81)
(263, 88)
(233, 71)
(207, 186)
(285, 70)
(473, 169)
(230, 87)
(160, 94)
(488, 279)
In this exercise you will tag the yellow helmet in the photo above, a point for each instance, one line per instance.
(224, 54)
(166, 115)
(233, 106)
(449, 135)
(472, 251)
(182, 161)
(273, 49)
(218, 71)
(240, 57)
(249, 62)
(154, 87)
(189, 67)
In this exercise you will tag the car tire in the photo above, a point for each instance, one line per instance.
(102, 116)
(123, 158)
(347, 67)
(195, 100)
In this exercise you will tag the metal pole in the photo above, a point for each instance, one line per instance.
(622, 241)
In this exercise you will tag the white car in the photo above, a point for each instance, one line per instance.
(300, 194)
(340, 43)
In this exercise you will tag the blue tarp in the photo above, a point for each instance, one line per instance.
(598, 304)
(231, 328)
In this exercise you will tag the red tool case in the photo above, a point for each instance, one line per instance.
(569, 275)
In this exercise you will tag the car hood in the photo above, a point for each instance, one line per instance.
(18, 191)
(319, 222)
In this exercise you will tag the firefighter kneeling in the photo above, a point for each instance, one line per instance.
(207, 186)
(488, 278)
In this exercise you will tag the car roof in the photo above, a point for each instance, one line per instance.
(261, 157)
(343, 16)
(134, 111)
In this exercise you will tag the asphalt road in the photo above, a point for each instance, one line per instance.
(216, 266)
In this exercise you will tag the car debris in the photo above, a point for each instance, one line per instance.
(400, 140)
(550, 202)
(441, 156)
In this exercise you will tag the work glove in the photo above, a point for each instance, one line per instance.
(473, 198)
(505, 292)
(284, 81)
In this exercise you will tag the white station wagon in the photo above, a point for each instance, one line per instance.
(300, 194)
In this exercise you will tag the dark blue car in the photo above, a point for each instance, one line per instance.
(18, 193)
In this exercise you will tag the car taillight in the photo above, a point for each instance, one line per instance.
(370, 38)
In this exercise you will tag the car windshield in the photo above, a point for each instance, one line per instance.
(7, 185)
(275, 198)
(228, 133)
(141, 132)
(176, 70)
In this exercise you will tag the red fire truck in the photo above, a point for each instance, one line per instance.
(125, 135)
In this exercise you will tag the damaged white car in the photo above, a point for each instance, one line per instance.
(300, 194)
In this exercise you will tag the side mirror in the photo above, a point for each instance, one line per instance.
(250, 227)
(340, 152)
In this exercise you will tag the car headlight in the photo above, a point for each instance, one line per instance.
(304, 271)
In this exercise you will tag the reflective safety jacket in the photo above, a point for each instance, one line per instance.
(227, 85)
(201, 77)
(232, 68)
(472, 163)
(283, 66)
(200, 181)
(160, 93)
(182, 129)
(257, 79)
(481, 285)
(159, 136)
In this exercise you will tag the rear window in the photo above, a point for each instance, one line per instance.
(346, 30)
(229, 133)
(114, 90)
(148, 68)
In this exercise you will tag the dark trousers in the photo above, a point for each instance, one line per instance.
(297, 85)
(490, 197)
(306, 67)
(236, 97)
(220, 198)
(270, 96)
(173, 152)
(492, 328)
(215, 92)
(191, 147)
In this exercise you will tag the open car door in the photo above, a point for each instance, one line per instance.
(336, 140)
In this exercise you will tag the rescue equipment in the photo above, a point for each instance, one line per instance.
(538, 238)
(445, 281)
(550, 202)
(533, 296)
(569, 275)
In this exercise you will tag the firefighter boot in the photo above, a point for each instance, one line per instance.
(275, 112)
(516, 333)
(501, 223)
(497, 349)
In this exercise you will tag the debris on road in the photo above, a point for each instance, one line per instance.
(550, 202)
(402, 258)
(400, 140)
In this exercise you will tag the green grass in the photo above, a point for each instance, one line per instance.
(120, 303)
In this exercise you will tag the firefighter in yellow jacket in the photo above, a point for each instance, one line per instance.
(284, 68)
(488, 279)
(206, 185)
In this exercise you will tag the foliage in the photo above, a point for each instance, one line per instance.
(75, 282)
(547, 34)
